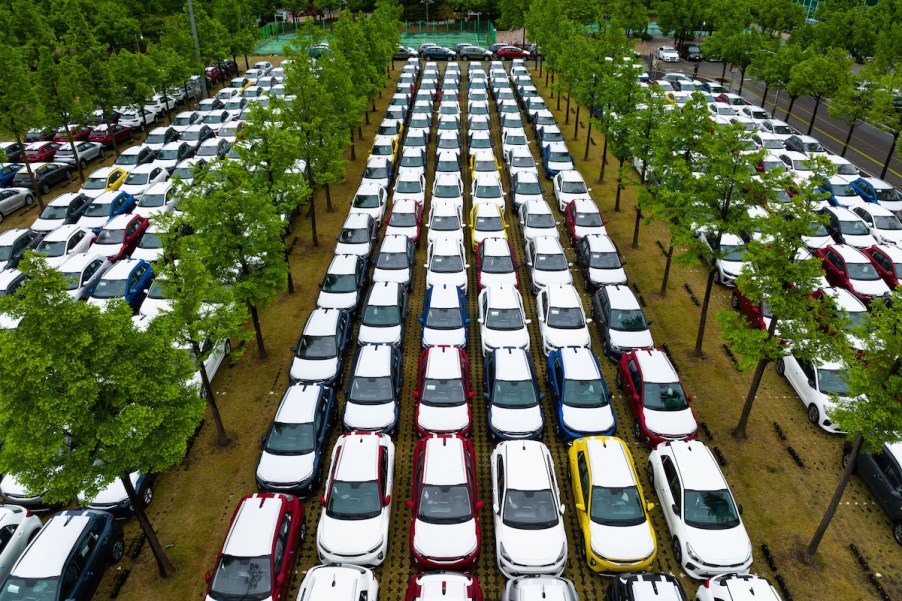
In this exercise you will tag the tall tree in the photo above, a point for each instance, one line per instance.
(87, 399)
(776, 16)
(852, 104)
(886, 113)
(682, 18)
(239, 24)
(820, 76)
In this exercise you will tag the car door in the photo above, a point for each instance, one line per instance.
(132, 235)
(87, 558)
(282, 558)
(582, 487)
(88, 279)
(671, 493)
(556, 379)
(633, 383)
(74, 244)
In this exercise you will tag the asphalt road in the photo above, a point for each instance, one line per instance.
(868, 147)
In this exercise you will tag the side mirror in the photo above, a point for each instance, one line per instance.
(622, 262)
(570, 264)
(588, 321)
(689, 397)
(675, 508)
(466, 265)
(467, 321)
(294, 349)
(480, 505)
(409, 504)
(386, 500)
(649, 506)
(496, 508)
(471, 394)
(579, 505)
(208, 577)
(262, 441)
(528, 321)
(415, 394)
(649, 322)
(562, 508)
(322, 500)
(421, 320)
(739, 508)
(426, 265)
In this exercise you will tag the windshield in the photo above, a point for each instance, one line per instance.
(732, 253)
(110, 289)
(290, 439)
(710, 509)
(381, 316)
(447, 166)
(817, 229)
(30, 589)
(616, 506)
(137, 178)
(183, 121)
(568, 318)
(528, 188)
(804, 165)
(111, 236)
(447, 223)
(514, 394)
(489, 224)
(488, 191)
(127, 159)
(773, 143)
(853, 228)
(438, 392)
(396, 260)
(184, 172)
(191, 135)
(530, 509)
(445, 504)
(73, 278)
(608, 260)
(375, 173)
(95, 183)
(382, 150)
(152, 200)
(169, 154)
(541, 221)
(773, 164)
(52, 212)
(208, 150)
(559, 157)
(409, 186)
(366, 201)
(585, 393)
(52, 249)
(98, 209)
(158, 138)
(497, 264)
(158, 290)
(402, 219)
(887, 222)
(354, 500)
(504, 319)
(444, 318)
(628, 320)
(843, 190)
(833, 381)
(371, 391)
(446, 191)
(339, 283)
(551, 262)
(887, 194)
(485, 165)
(213, 118)
(589, 220)
(317, 347)
(862, 271)
(664, 397)
(413, 160)
(516, 140)
(354, 236)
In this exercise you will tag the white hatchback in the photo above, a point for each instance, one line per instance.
(502, 319)
(562, 319)
(548, 265)
(446, 263)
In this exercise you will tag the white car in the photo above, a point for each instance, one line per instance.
(883, 224)
(394, 261)
(410, 185)
(58, 211)
(528, 513)
(562, 319)
(356, 236)
(445, 221)
(343, 582)
(371, 395)
(158, 136)
(157, 302)
(341, 286)
(448, 187)
(446, 263)
(172, 154)
(82, 272)
(378, 171)
(552, 588)
(486, 221)
(502, 319)
(404, 220)
(353, 526)
(525, 185)
(19, 526)
(737, 587)
(447, 161)
(141, 178)
(848, 228)
(487, 188)
(547, 263)
(537, 221)
(513, 139)
(707, 533)
(514, 403)
(668, 54)
(382, 314)
(600, 260)
(139, 118)
(63, 242)
(443, 322)
(443, 403)
(842, 192)
(317, 358)
(495, 263)
(568, 186)
(150, 247)
(159, 198)
(816, 382)
(413, 161)
(584, 219)
(443, 586)
(854, 312)
(621, 322)
(370, 199)
(730, 259)
(185, 119)
(798, 164)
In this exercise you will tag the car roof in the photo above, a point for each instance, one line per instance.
(512, 364)
(121, 269)
(144, 168)
(443, 362)
(394, 243)
(537, 206)
(9, 236)
(384, 293)
(359, 458)
(526, 456)
(160, 187)
(444, 296)
(496, 247)
(609, 462)
(102, 172)
(794, 155)
(373, 360)
(451, 177)
(584, 205)
(78, 261)
(377, 161)
(483, 208)
(600, 243)
(342, 264)
(298, 404)
(650, 587)
(63, 232)
(321, 322)
(356, 220)
(119, 222)
(47, 555)
(255, 523)
(503, 297)
(656, 366)
(877, 183)
(333, 581)
(747, 586)
(805, 139)
(621, 297)
(445, 463)
(849, 254)
(135, 149)
(895, 449)
(7, 276)
(697, 466)
(842, 213)
(546, 245)
(563, 295)
(561, 147)
(845, 300)
(892, 251)
(873, 209)
(579, 363)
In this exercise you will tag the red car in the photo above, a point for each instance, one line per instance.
(119, 237)
(105, 135)
(41, 152)
(888, 261)
(444, 527)
(457, 586)
(847, 267)
(79, 133)
(656, 397)
(511, 52)
(582, 217)
(443, 392)
(257, 558)
(215, 75)
(405, 218)
(758, 314)
(495, 264)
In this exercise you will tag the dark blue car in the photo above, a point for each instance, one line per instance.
(106, 206)
(373, 392)
(128, 280)
(67, 558)
(8, 172)
(514, 409)
(292, 455)
(444, 320)
(581, 397)
(114, 500)
(878, 192)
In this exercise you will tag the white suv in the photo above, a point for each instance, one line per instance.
(445, 221)
(502, 319)
(817, 383)
(448, 187)
(527, 508)
(537, 220)
(708, 536)
(552, 588)
(548, 265)
(353, 527)
(562, 320)
(446, 264)
(343, 582)
(737, 587)
(442, 586)
(568, 186)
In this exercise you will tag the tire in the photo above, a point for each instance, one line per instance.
(845, 461)
(734, 300)
(677, 551)
(147, 496)
(619, 379)
(227, 348)
(637, 431)
(814, 414)
(717, 278)
(650, 474)
(118, 550)
(82, 163)
(780, 366)
(606, 349)
(69, 175)
(45, 189)
(303, 534)
(29, 200)
(897, 532)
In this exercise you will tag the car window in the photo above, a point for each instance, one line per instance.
(383, 471)
(91, 269)
(807, 369)
(584, 482)
(281, 544)
(889, 471)
(883, 261)
(635, 376)
(673, 479)
(319, 418)
(70, 577)
(132, 228)
(500, 476)
(6, 534)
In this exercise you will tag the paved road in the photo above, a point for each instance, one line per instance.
(868, 147)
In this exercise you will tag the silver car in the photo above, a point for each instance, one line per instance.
(14, 198)
(84, 153)
(82, 272)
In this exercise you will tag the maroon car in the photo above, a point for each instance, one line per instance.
(888, 261)
(105, 135)
(511, 52)
(41, 152)
(79, 133)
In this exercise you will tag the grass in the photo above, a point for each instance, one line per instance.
(193, 503)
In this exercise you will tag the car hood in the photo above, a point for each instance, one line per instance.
(531, 233)
(870, 287)
(93, 222)
(551, 278)
(313, 370)
(500, 338)
(532, 547)
(670, 423)
(451, 279)
(498, 279)
(401, 276)
(455, 337)
(817, 241)
(153, 307)
(594, 420)
(864, 241)
(558, 338)
(622, 543)
(56, 261)
(583, 230)
(112, 494)
(731, 267)
(371, 335)
(285, 469)
(9, 323)
(516, 421)
(349, 537)
(369, 417)
(445, 541)
(411, 232)
(46, 225)
(147, 254)
(90, 194)
(149, 212)
(135, 190)
(890, 236)
(362, 250)
(629, 340)
(107, 250)
(10, 486)
(720, 547)
(333, 300)
(443, 419)
(607, 276)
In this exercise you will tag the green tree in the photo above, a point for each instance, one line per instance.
(137, 74)
(886, 113)
(350, 43)
(238, 22)
(776, 16)
(852, 104)
(513, 13)
(820, 76)
(87, 399)
(871, 415)
(682, 18)
(773, 65)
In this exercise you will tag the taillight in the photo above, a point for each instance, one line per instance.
(707, 583)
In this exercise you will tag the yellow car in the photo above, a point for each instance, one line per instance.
(392, 128)
(104, 179)
(386, 146)
(483, 161)
(610, 507)
(486, 221)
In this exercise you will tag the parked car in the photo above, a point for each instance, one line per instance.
(119, 237)
(582, 218)
(668, 54)
(82, 272)
(691, 52)
(737, 587)
(442, 392)
(372, 394)
(600, 261)
(405, 219)
(109, 135)
(41, 152)
(580, 395)
(84, 153)
(19, 527)
(884, 225)
(882, 474)
(64, 241)
(879, 192)
(847, 228)
(14, 243)
(320, 348)
(502, 319)
(444, 320)
(114, 499)
(848, 267)
(141, 178)
(556, 158)
(888, 261)
(12, 199)
(103, 180)
(537, 221)
(630, 587)
(339, 582)
(562, 319)
(495, 264)
(106, 206)
(547, 263)
(46, 176)
(128, 280)
(343, 285)
(817, 383)
(446, 263)
(157, 199)
(394, 261)
(511, 52)
(452, 586)
(383, 315)
(621, 322)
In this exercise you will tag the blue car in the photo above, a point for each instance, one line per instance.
(581, 397)
(7, 172)
(293, 447)
(556, 158)
(877, 191)
(514, 402)
(106, 206)
(840, 189)
(114, 499)
(444, 320)
(128, 280)
(67, 558)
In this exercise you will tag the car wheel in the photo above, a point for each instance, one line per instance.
(118, 550)
(897, 532)
(637, 431)
(780, 367)
(677, 551)
(227, 348)
(845, 460)
(147, 495)
(303, 530)
(45, 189)
(650, 474)
(717, 278)
(619, 379)
(814, 414)
(606, 349)
(69, 174)
(83, 163)
(734, 300)
(28, 200)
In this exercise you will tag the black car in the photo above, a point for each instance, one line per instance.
(804, 144)
(882, 473)
(45, 176)
(630, 587)
(438, 53)
(402, 53)
(14, 243)
(39, 134)
(14, 151)
(691, 53)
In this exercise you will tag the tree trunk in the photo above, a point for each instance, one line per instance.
(540, 68)
(604, 158)
(741, 80)
(34, 184)
(165, 566)
(558, 93)
(845, 145)
(366, 116)
(666, 271)
(889, 156)
(261, 348)
(588, 141)
(311, 212)
(699, 340)
(740, 430)
(723, 73)
(329, 208)
(576, 125)
(817, 104)
(792, 101)
(834, 502)
(567, 117)
(353, 151)
(246, 64)
(81, 172)
(764, 97)
(619, 185)
(290, 278)
(636, 227)
(222, 439)
(547, 73)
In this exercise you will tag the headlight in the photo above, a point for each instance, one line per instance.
(504, 554)
(376, 548)
(692, 553)
(563, 554)
(324, 548)
(614, 347)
